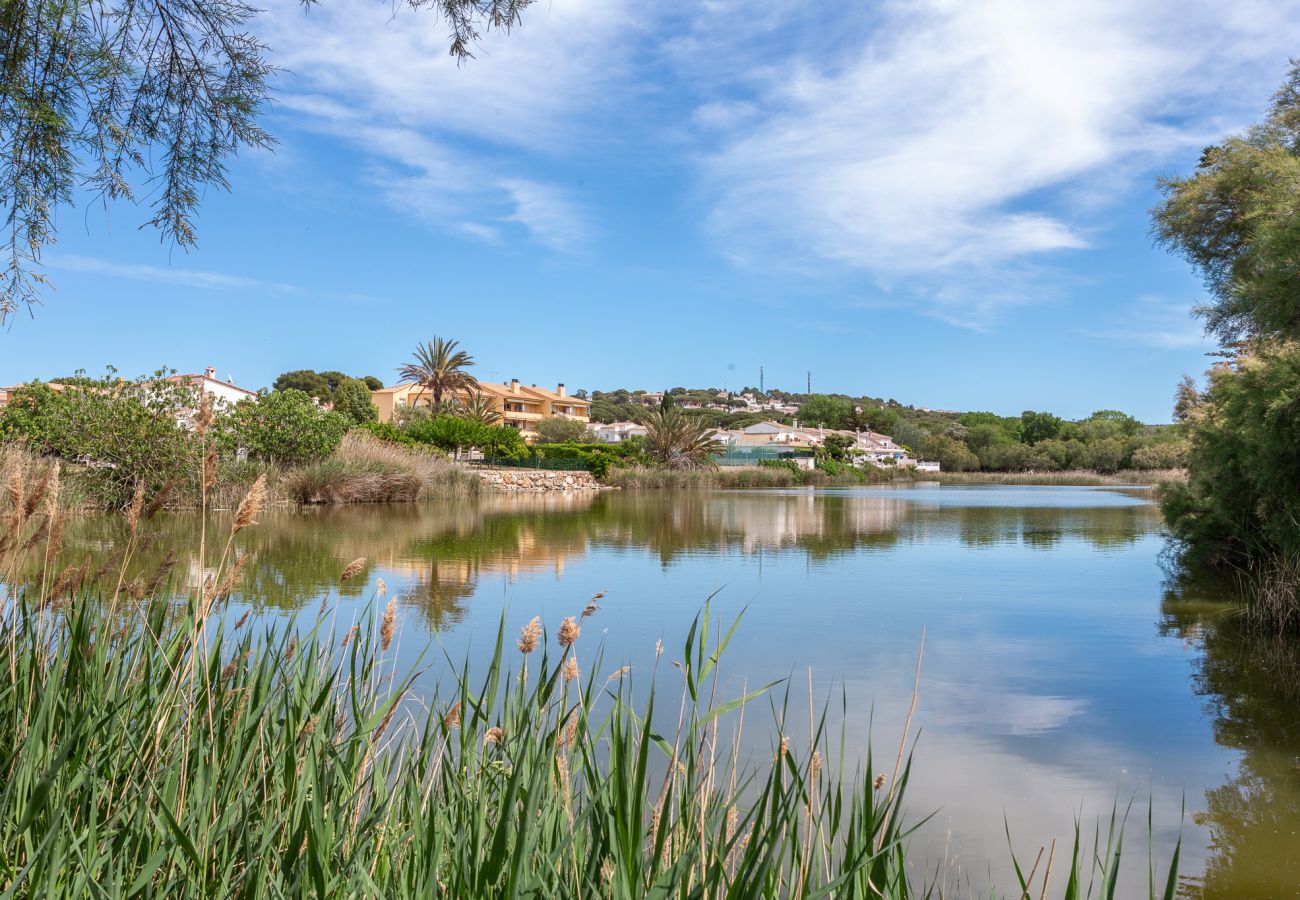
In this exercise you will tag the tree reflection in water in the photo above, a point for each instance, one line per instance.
(1251, 684)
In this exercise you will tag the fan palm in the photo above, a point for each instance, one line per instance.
(477, 407)
(439, 368)
(679, 441)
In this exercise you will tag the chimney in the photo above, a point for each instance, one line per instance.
(211, 372)
(514, 385)
(559, 389)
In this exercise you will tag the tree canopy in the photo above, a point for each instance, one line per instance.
(1235, 220)
(114, 97)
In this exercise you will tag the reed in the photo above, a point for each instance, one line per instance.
(365, 469)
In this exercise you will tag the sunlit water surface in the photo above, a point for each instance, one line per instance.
(1062, 673)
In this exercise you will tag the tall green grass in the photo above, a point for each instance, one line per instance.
(161, 749)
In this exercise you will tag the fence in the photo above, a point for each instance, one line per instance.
(751, 456)
(564, 464)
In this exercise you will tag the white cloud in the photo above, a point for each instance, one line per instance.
(452, 145)
(957, 139)
(191, 278)
(1158, 323)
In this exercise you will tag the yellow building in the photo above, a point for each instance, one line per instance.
(520, 406)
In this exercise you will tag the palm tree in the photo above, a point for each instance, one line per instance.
(440, 369)
(679, 441)
(477, 407)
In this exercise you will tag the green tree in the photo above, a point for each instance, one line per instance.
(1241, 501)
(285, 427)
(1234, 219)
(163, 94)
(352, 401)
(1038, 426)
(836, 447)
(827, 410)
(309, 381)
(558, 430)
(502, 441)
(440, 369)
(952, 454)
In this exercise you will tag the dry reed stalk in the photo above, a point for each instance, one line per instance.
(1047, 873)
(381, 587)
(136, 508)
(569, 632)
(209, 470)
(451, 718)
(387, 629)
(37, 495)
(159, 499)
(231, 578)
(592, 605)
(352, 569)
(529, 634)
(571, 668)
(160, 574)
(495, 735)
(251, 506)
(239, 623)
(902, 742)
(352, 632)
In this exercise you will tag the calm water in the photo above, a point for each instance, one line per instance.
(1061, 672)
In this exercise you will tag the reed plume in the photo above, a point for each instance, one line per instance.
(251, 506)
(529, 634)
(569, 632)
(352, 569)
(388, 627)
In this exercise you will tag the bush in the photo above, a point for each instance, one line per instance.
(1167, 455)
(449, 433)
(559, 430)
(367, 469)
(386, 431)
(123, 432)
(285, 428)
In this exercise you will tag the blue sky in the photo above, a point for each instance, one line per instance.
(942, 202)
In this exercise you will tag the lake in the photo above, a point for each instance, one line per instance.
(1064, 670)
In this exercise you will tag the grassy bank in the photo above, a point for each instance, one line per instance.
(638, 478)
(158, 749)
(365, 469)
(1084, 477)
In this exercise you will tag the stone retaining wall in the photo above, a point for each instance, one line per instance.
(536, 481)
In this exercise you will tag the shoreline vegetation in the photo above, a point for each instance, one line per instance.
(234, 758)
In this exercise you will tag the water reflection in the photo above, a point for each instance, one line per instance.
(1251, 685)
(1057, 667)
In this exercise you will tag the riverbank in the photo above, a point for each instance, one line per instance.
(1074, 477)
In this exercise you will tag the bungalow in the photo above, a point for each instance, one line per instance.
(520, 406)
(225, 393)
(618, 432)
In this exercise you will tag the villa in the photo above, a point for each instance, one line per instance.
(520, 406)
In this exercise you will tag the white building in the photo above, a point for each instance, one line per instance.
(226, 393)
(618, 432)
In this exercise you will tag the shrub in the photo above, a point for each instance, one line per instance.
(366, 469)
(123, 432)
(559, 430)
(450, 433)
(284, 427)
(386, 431)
